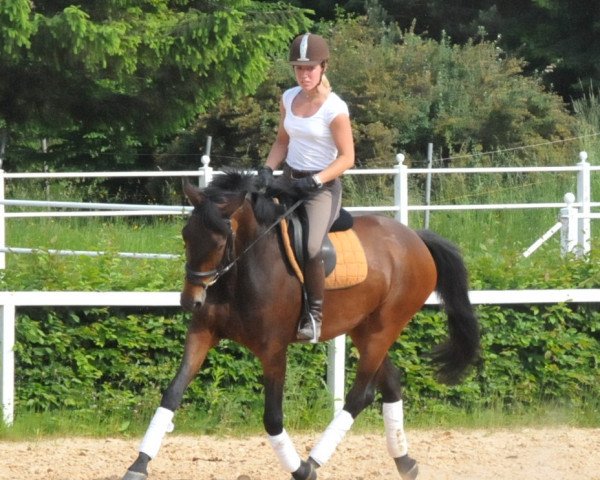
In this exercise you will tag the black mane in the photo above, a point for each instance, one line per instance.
(232, 182)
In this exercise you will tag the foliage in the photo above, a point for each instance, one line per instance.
(403, 91)
(558, 38)
(119, 360)
(106, 81)
(587, 114)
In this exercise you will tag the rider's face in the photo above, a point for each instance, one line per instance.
(308, 76)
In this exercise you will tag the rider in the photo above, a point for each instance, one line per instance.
(315, 140)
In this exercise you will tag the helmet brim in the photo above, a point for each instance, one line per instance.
(309, 63)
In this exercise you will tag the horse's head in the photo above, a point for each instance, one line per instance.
(208, 235)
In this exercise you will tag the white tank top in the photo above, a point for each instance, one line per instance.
(311, 144)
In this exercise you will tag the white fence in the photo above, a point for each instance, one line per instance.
(574, 227)
(574, 222)
(9, 301)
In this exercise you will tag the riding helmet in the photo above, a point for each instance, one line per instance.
(309, 49)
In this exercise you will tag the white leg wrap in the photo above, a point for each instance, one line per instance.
(393, 419)
(332, 437)
(160, 425)
(285, 451)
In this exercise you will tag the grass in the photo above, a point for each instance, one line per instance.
(31, 425)
(155, 235)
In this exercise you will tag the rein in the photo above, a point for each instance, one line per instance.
(198, 278)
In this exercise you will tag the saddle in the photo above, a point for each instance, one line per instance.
(343, 255)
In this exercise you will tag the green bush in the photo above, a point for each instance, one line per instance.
(120, 359)
(403, 91)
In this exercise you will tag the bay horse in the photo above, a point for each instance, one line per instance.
(239, 286)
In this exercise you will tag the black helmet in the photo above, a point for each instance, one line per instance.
(309, 49)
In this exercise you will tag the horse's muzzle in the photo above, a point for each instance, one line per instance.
(192, 298)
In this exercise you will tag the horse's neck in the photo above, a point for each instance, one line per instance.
(258, 249)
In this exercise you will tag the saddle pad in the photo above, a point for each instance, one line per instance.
(351, 266)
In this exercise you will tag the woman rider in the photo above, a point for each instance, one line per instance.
(315, 140)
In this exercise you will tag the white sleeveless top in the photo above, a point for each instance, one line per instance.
(311, 144)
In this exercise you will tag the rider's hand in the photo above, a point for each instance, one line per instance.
(306, 185)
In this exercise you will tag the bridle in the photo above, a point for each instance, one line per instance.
(208, 278)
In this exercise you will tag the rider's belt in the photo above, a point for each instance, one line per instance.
(296, 174)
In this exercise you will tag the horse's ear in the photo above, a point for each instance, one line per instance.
(194, 195)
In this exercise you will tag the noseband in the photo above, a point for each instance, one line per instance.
(208, 278)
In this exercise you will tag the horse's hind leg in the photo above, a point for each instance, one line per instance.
(374, 371)
(358, 398)
(388, 383)
(197, 344)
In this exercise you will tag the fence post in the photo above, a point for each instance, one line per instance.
(205, 179)
(401, 190)
(583, 198)
(336, 371)
(428, 184)
(2, 222)
(568, 232)
(7, 367)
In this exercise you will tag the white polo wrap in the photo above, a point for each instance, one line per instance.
(332, 437)
(160, 425)
(285, 451)
(393, 419)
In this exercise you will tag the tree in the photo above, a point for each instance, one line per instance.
(402, 94)
(558, 38)
(124, 75)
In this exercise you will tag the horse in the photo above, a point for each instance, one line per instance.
(239, 286)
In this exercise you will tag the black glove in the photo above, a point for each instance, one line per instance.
(264, 177)
(305, 185)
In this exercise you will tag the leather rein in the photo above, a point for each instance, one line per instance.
(208, 278)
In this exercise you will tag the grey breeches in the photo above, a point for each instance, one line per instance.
(322, 208)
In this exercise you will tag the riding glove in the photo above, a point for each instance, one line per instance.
(306, 185)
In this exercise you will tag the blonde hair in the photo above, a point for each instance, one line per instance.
(325, 82)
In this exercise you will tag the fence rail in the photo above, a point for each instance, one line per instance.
(574, 227)
(9, 301)
(575, 223)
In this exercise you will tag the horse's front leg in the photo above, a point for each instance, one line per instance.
(197, 344)
(274, 378)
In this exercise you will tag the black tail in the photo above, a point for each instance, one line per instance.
(461, 349)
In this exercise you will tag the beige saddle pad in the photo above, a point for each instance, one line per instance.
(351, 264)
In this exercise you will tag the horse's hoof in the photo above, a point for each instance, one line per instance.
(407, 467)
(131, 475)
(306, 471)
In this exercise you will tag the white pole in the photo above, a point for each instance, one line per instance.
(584, 199)
(336, 371)
(568, 219)
(2, 223)
(401, 190)
(207, 178)
(428, 183)
(7, 369)
(208, 172)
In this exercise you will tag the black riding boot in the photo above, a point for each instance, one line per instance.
(314, 283)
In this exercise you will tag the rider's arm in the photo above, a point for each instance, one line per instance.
(279, 149)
